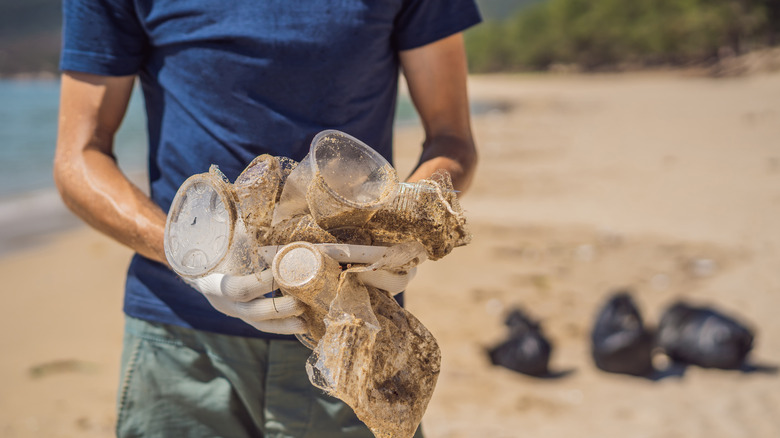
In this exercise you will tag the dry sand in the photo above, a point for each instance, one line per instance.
(662, 183)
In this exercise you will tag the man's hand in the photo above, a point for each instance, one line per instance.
(391, 271)
(392, 281)
(243, 297)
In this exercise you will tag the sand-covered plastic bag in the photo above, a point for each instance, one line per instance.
(376, 357)
(426, 211)
(367, 350)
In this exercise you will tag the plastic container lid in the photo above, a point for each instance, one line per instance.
(200, 226)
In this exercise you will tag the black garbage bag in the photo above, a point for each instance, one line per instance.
(702, 336)
(620, 343)
(526, 350)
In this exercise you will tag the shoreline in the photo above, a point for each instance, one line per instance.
(34, 218)
(762, 59)
(31, 220)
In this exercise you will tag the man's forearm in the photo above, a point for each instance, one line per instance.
(85, 172)
(436, 76)
(102, 196)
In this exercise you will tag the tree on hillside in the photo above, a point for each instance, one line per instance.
(601, 33)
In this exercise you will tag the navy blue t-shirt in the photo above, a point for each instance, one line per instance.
(226, 81)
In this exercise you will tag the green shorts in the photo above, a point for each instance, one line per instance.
(180, 382)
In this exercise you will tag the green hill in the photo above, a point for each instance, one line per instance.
(496, 10)
(604, 34)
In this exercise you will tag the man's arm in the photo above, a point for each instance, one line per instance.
(436, 76)
(86, 173)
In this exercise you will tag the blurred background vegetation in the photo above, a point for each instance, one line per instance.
(518, 35)
(615, 34)
(29, 36)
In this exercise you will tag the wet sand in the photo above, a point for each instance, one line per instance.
(665, 184)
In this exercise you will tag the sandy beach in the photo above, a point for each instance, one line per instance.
(665, 184)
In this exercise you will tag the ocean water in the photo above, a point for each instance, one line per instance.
(30, 207)
(28, 134)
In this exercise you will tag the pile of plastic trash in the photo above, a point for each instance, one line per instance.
(342, 201)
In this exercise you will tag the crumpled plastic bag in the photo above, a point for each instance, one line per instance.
(526, 350)
(376, 356)
(704, 336)
(620, 343)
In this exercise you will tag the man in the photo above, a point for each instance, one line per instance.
(224, 82)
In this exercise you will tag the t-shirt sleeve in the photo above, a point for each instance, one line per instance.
(102, 37)
(424, 21)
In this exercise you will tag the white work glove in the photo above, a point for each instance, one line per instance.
(392, 281)
(243, 297)
(391, 272)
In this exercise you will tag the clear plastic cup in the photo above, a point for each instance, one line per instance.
(350, 180)
(257, 188)
(204, 231)
(342, 182)
(304, 272)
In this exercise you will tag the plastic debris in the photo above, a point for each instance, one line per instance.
(299, 219)
(620, 343)
(703, 336)
(378, 358)
(526, 350)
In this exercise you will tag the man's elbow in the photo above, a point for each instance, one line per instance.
(63, 172)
